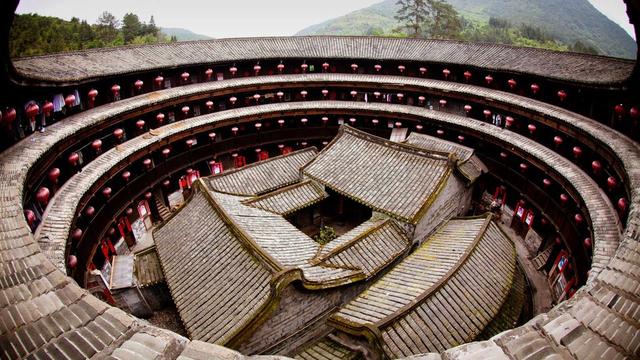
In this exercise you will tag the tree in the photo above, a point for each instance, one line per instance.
(107, 28)
(445, 22)
(131, 27)
(412, 15)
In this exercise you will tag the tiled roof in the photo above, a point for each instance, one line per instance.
(217, 285)
(369, 247)
(147, 267)
(397, 179)
(443, 294)
(327, 349)
(263, 176)
(468, 164)
(289, 199)
(91, 64)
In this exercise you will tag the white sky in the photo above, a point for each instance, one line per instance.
(238, 18)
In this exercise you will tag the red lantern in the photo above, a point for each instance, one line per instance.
(488, 79)
(423, 71)
(118, 133)
(440, 132)
(353, 93)
(303, 93)
(70, 100)
(212, 136)
(148, 195)
(578, 218)
(185, 76)
(9, 116)
(256, 97)
(280, 67)
(32, 111)
(400, 96)
(166, 183)
(622, 205)
(577, 151)
(233, 100)
(43, 196)
(325, 66)
(89, 211)
(401, 68)
(421, 99)
(619, 110)
(185, 111)
(138, 84)
(72, 261)
(562, 95)
(30, 216)
(115, 89)
(209, 105)
(54, 174)
(633, 112)
(611, 183)
(281, 122)
(523, 167)
(106, 192)
(443, 103)
(73, 159)
(512, 83)
(546, 182)
(92, 94)
(160, 118)
(233, 70)
(376, 94)
(564, 198)
(487, 113)
(374, 122)
(304, 67)
(209, 73)
(509, 121)
(47, 108)
(467, 75)
(280, 94)
(419, 127)
(189, 143)
(256, 69)
(587, 243)
(304, 121)
(596, 166)
(558, 241)
(446, 73)
(325, 92)
(461, 138)
(147, 163)
(503, 155)
(354, 67)
(129, 211)
(166, 152)
(159, 79)
(557, 140)
(532, 128)
(325, 119)
(535, 88)
(234, 130)
(467, 109)
(378, 67)
(126, 176)
(140, 124)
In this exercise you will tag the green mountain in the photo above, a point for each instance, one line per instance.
(572, 23)
(183, 34)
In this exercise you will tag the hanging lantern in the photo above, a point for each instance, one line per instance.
(400, 96)
(562, 95)
(53, 175)
(160, 118)
(467, 109)
(72, 261)
(461, 138)
(89, 211)
(304, 121)
(577, 151)
(611, 183)
(256, 69)
(378, 67)
(535, 88)
(189, 143)
(401, 68)
(440, 132)
(619, 110)
(258, 125)
(423, 71)
(622, 205)
(209, 105)
(92, 94)
(374, 122)
(42, 196)
(233, 70)
(398, 124)
(546, 182)
(208, 73)
(126, 176)
(47, 108)
(324, 120)
(166, 183)
(147, 163)
(376, 94)
(280, 68)
(488, 79)
(524, 167)
(118, 133)
(233, 100)
(596, 167)
(256, 97)
(9, 116)
(353, 93)
(138, 84)
(304, 68)
(73, 159)
(140, 124)
(487, 114)
(148, 195)
(280, 94)
(166, 152)
(558, 241)
(633, 112)
(564, 198)
(557, 140)
(106, 192)
(159, 80)
(354, 67)
(32, 111)
(185, 76)
(587, 243)
(185, 110)
(129, 211)
(421, 100)
(212, 136)
(578, 218)
(325, 66)
(115, 89)
(352, 121)
(234, 130)
(303, 93)
(503, 155)
(467, 75)
(325, 92)
(443, 103)
(30, 216)
(446, 73)
(512, 84)
(281, 122)
(532, 128)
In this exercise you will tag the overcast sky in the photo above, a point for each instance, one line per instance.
(238, 18)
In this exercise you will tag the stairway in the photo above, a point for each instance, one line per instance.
(162, 209)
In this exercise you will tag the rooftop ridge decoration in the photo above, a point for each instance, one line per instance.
(343, 173)
(68, 68)
(232, 181)
(314, 193)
